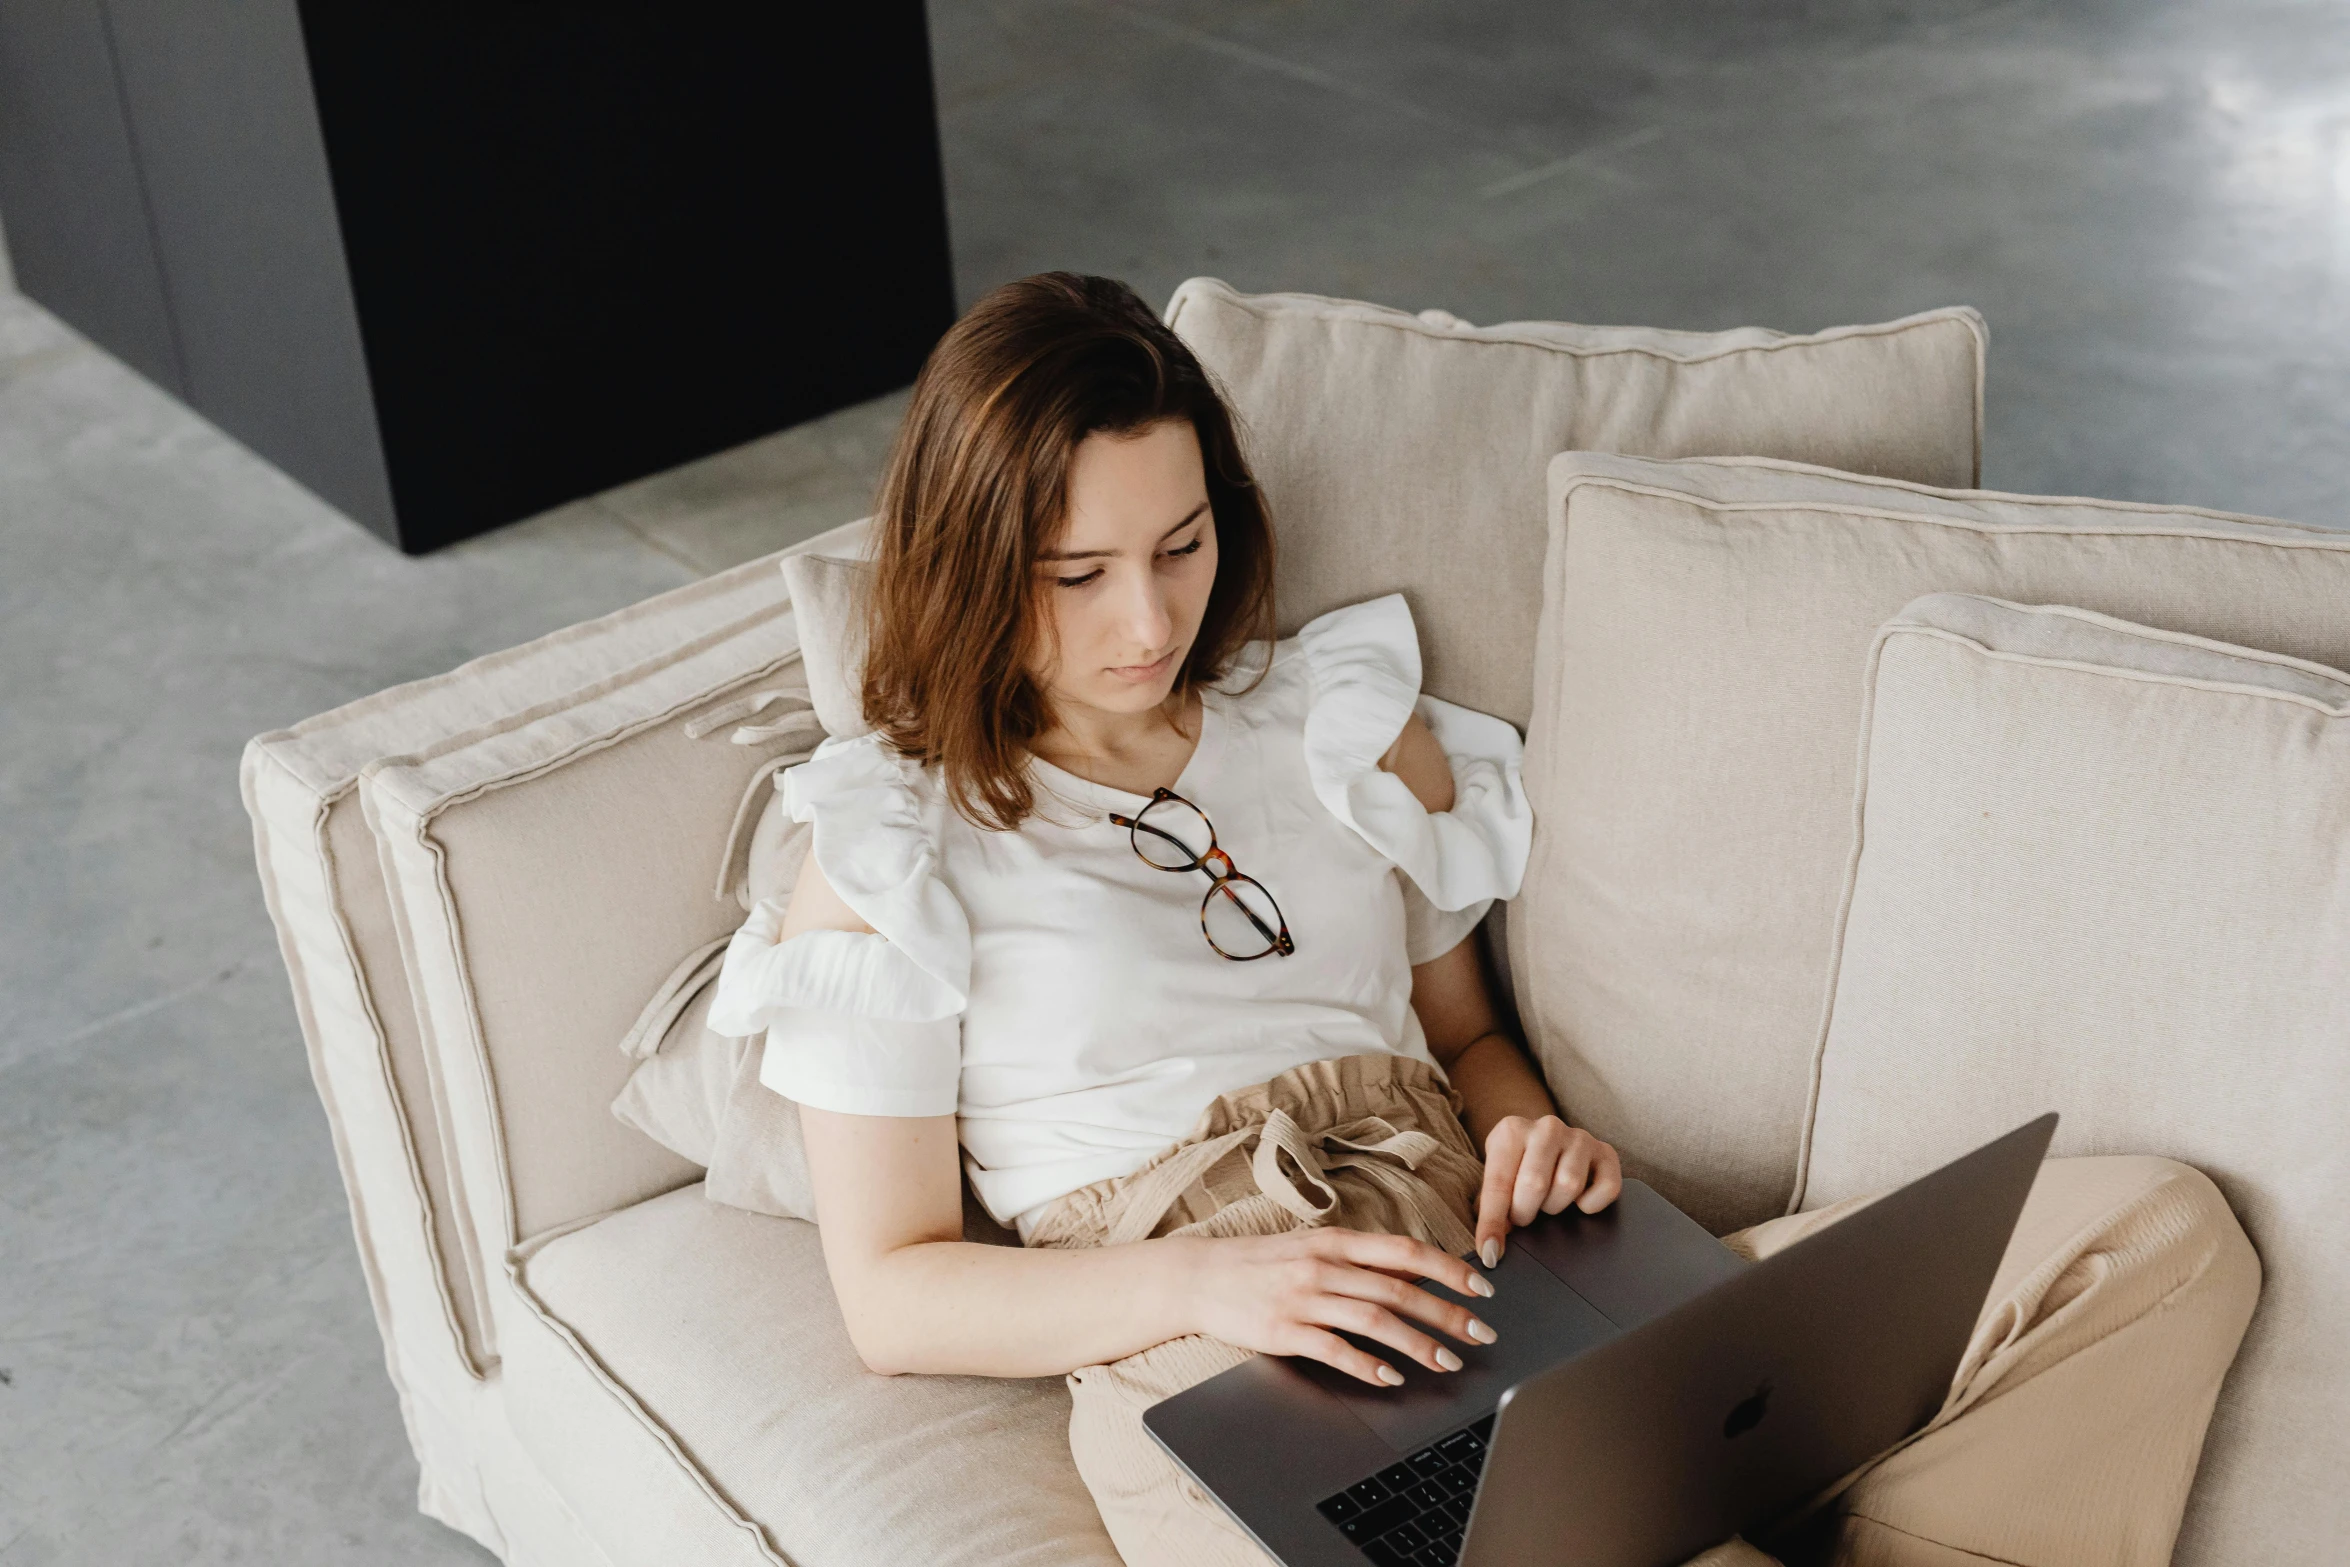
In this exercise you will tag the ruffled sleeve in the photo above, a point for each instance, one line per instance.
(1365, 662)
(863, 1024)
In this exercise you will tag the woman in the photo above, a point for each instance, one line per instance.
(1158, 928)
(1072, 607)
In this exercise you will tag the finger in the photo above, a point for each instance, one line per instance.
(1607, 1179)
(1377, 1323)
(1574, 1173)
(1543, 1146)
(1502, 1155)
(1407, 1300)
(1406, 1258)
(1333, 1351)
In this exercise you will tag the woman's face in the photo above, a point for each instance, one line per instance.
(1125, 585)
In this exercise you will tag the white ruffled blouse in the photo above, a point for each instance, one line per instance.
(1056, 993)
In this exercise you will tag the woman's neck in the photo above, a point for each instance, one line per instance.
(1121, 750)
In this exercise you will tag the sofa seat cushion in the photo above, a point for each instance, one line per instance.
(701, 1336)
(1706, 625)
(1405, 453)
(2105, 870)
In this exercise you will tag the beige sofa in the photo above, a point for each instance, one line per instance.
(496, 889)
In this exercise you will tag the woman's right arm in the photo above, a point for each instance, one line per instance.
(917, 1297)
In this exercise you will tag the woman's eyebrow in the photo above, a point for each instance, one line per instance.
(1189, 518)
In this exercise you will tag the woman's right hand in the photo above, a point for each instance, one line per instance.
(1286, 1294)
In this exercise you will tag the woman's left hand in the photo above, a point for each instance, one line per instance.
(1539, 1166)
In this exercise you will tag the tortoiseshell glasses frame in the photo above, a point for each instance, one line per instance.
(1222, 876)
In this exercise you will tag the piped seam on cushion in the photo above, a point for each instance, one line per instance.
(2117, 672)
(477, 1359)
(2133, 631)
(1835, 965)
(432, 805)
(2258, 529)
(370, 1265)
(436, 1070)
(1365, 313)
(516, 1260)
(572, 700)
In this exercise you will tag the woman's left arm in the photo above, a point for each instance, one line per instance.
(1534, 1161)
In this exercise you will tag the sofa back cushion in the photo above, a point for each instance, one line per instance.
(2105, 870)
(1404, 453)
(1706, 626)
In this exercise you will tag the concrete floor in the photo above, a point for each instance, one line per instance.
(2150, 200)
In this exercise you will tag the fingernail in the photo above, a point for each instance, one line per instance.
(1391, 1376)
(1447, 1359)
(1491, 1252)
(1479, 1284)
(1480, 1332)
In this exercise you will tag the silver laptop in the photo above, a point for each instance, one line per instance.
(1650, 1394)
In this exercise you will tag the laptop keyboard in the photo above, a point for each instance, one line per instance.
(1411, 1514)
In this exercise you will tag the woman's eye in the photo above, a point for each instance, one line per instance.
(1189, 549)
(1078, 582)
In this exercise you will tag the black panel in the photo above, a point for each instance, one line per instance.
(591, 241)
(219, 101)
(69, 182)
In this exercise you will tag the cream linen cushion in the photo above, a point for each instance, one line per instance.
(1705, 629)
(697, 1092)
(1403, 453)
(828, 595)
(2105, 870)
(677, 1092)
(699, 1096)
(693, 1354)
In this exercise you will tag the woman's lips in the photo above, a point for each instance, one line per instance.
(1138, 673)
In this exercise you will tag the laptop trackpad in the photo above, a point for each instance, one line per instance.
(1537, 1322)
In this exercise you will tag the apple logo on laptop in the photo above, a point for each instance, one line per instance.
(1748, 1412)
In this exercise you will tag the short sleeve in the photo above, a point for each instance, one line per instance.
(1365, 662)
(856, 1022)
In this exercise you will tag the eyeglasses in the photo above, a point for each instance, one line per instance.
(1238, 916)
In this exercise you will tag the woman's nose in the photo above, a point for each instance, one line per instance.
(1147, 620)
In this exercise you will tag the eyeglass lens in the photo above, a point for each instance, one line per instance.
(1172, 835)
(1226, 916)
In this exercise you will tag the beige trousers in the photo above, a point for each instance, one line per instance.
(2069, 1437)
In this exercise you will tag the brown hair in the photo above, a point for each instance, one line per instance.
(977, 487)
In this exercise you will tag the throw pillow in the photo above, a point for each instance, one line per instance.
(828, 601)
(2105, 870)
(1405, 453)
(697, 1092)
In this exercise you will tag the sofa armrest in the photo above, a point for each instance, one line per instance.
(548, 874)
(384, 1080)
